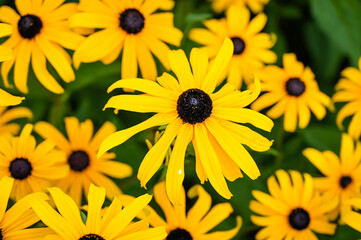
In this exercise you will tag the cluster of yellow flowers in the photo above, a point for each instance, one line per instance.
(194, 107)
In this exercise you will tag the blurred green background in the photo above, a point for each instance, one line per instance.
(325, 35)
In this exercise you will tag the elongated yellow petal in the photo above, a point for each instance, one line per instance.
(158, 233)
(218, 67)
(119, 137)
(243, 115)
(143, 85)
(52, 219)
(229, 234)
(200, 208)
(180, 66)
(199, 63)
(155, 156)
(234, 149)
(124, 217)
(141, 103)
(175, 172)
(68, 209)
(6, 99)
(96, 199)
(210, 162)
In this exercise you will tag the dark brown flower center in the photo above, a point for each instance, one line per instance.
(345, 181)
(179, 234)
(29, 26)
(299, 219)
(91, 237)
(295, 87)
(194, 106)
(131, 21)
(238, 45)
(78, 160)
(20, 168)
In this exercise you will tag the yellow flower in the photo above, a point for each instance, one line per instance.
(251, 48)
(194, 114)
(8, 128)
(15, 221)
(295, 92)
(80, 150)
(129, 25)
(115, 224)
(40, 32)
(33, 167)
(293, 210)
(348, 90)
(194, 225)
(6, 53)
(342, 174)
(255, 5)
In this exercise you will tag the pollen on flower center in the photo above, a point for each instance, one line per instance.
(91, 237)
(179, 234)
(238, 45)
(345, 181)
(131, 21)
(20, 168)
(299, 219)
(194, 106)
(29, 26)
(78, 160)
(295, 87)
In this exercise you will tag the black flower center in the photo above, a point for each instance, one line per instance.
(78, 160)
(1, 235)
(179, 234)
(194, 106)
(295, 87)
(20, 168)
(238, 45)
(29, 26)
(91, 237)
(131, 20)
(345, 181)
(299, 219)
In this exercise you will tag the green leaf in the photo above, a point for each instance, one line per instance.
(322, 137)
(341, 22)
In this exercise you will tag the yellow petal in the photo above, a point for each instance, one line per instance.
(175, 172)
(218, 67)
(119, 137)
(155, 156)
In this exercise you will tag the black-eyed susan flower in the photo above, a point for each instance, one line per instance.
(196, 224)
(131, 26)
(15, 221)
(34, 167)
(115, 224)
(8, 128)
(293, 209)
(6, 53)
(294, 91)
(193, 113)
(342, 174)
(348, 90)
(251, 48)
(80, 150)
(40, 33)
(255, 5)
